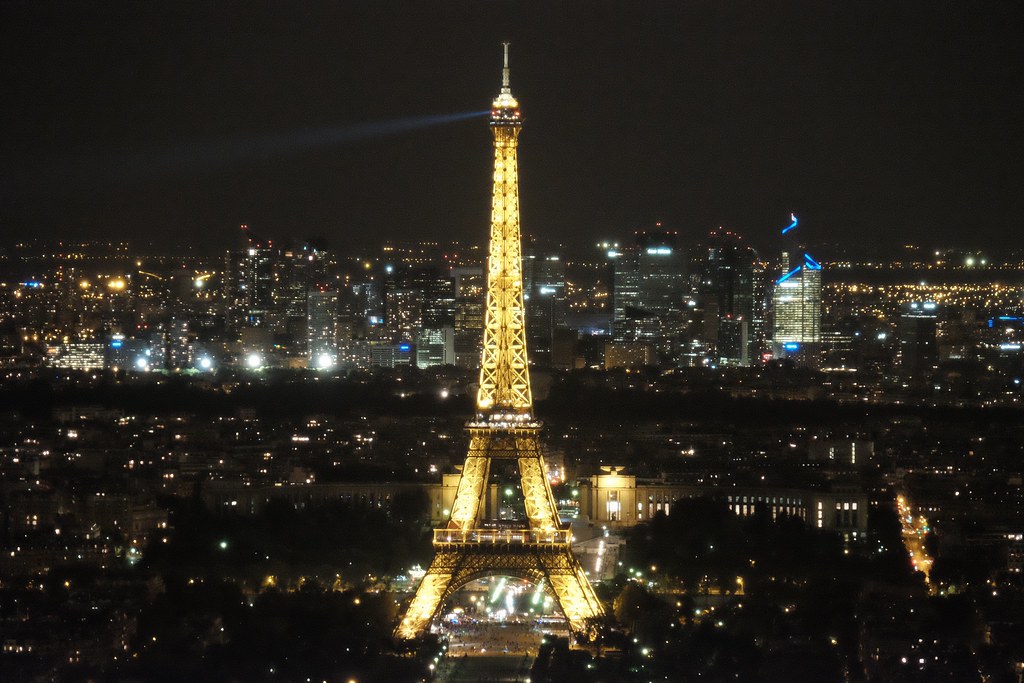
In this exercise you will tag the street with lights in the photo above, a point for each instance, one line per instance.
(915, 530)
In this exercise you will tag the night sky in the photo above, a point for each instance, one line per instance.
(878, 123)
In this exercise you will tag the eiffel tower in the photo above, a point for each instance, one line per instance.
(466, 548)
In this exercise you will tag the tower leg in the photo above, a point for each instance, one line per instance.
(472, 486)
(573, 592)
(537, 498)
(425, 604)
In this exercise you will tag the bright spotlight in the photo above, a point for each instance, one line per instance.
(254, 361)
(324, 361)
(141, 363)
(205, 363)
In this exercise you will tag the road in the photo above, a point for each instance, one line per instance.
(915, 528)
(490, 651)
(491, 668)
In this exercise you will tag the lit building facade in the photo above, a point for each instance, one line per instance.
(322, 328)
(435, 346)
(544, 298)
(649, 276)
(619, 500)
(918, 336)
(796, 304)
(727, 290)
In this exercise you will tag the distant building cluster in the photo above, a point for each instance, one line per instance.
(649, 302)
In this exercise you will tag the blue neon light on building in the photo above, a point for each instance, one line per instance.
(788, 275)
(792, 225)
(811, 263)
(791, 346)
(404, 347)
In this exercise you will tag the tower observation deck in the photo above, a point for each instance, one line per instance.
(468, 547)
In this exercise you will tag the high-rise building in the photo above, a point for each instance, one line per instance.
(727, 289)
(435, 346)
(438, 295)
(661, 265)
(255, 280)
(544, 297)
(367, 301)
(648, 287)
(796, 304)
(918, 332)
(322, 328)
(470, 286)
(179, 344)
(625, 282)
(418, 298)
(296, 272)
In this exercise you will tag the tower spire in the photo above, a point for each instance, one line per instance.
(505, 104)
(504, 73)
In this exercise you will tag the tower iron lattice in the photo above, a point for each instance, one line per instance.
(467, 548)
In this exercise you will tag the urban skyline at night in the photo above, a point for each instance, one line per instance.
(878, 124)
(730, 389)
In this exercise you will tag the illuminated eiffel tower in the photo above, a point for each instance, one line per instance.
(467, 548)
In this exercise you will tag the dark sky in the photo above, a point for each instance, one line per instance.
(879, 123)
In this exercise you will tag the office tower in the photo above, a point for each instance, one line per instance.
(435, 346)
(727, 289)
(417, 298)
(648, 283)
(661, 265)
(796, 304)
(437, 288)
(78, 356)
(296, 272)
(470, 287)
(917, 332)
(322, 328)
(404, 316)
(255, 280)
(625, 281)
(367, 301)
(544, 297)
(179, 344)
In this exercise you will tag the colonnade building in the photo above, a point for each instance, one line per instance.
(612, 499)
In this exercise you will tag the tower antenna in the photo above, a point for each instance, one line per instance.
(505, 87)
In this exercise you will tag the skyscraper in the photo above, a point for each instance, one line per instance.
(649, 276)
(727, 288)
(470, 288)
(918, 333)
(435, 346)
(796, 304)
(255, 280)
(544, 295)
(322, 328)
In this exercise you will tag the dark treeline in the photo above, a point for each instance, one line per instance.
(578, 397)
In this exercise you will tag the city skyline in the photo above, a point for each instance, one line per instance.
(619, 442)
(874, 124)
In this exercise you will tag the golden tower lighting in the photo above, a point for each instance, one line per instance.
(466, 549)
